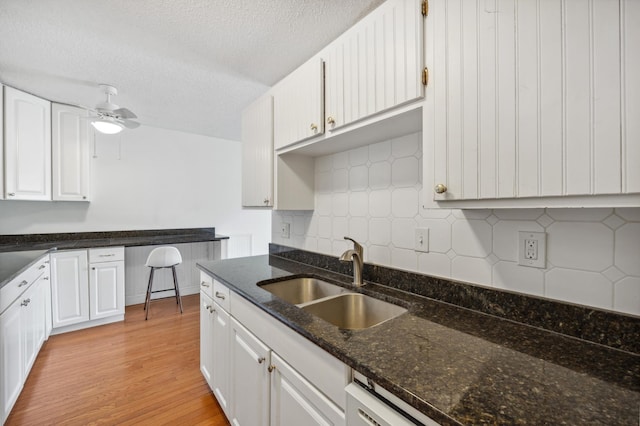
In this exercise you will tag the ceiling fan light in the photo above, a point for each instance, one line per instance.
(107, 127)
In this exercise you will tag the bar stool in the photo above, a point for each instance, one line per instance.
(163, 257)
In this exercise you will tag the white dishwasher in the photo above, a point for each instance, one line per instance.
(371, 405)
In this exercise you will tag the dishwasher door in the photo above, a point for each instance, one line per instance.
(364, 409)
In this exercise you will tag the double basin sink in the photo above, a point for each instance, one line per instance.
(334, 304)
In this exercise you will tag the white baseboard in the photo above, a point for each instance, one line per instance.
(87, 324)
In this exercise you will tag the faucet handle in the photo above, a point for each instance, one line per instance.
(356, 246)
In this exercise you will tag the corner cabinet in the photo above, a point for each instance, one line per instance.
(71, 156)
(531, 106)
(27, 146)
(298, 104)
(257, 153)
(376, 65)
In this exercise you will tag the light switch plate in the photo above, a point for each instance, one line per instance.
(285, 231)
(532, 249)
(422, 240)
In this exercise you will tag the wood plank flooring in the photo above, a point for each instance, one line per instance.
(132, 372)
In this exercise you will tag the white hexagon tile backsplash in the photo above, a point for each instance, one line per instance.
(372, 194)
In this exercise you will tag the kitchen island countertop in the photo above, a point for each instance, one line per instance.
(456, 365)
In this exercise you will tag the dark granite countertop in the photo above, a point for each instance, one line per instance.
(456, 365)
(78, 240)
(13, 264)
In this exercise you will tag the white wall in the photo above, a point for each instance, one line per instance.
(373, 195)
(152, 178)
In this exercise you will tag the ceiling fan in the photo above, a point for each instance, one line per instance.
(110, 118)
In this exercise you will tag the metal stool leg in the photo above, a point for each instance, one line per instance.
(175, 286)
(147, 301)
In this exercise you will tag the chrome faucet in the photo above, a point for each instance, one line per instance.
(357, 256)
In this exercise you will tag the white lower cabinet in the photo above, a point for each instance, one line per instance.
(261, 372)
(87, 294)
(106, 289)
(221, 357)
(23, 330)
(206, 337)
(250, 359)
(295, 401)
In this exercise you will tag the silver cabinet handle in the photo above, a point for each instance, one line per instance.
(212, 309)
(261, 360)
(25, 302)
(106, 255)
(45, 278)
(204, 284)
(271, 368)
(11, 194)
(266, 201)
(23, 283)
(93, 268)
(42, 267)
(207, 307)
(219, 295)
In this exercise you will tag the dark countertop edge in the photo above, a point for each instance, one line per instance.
(65, 241)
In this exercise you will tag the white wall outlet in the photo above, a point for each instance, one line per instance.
(422, 240)
(532, 249)
(285, 230)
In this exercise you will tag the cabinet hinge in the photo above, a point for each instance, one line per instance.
(425, 76)
(425, 7)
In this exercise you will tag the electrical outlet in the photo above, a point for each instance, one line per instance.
(532, 249)
(285, 230)
(422, 240)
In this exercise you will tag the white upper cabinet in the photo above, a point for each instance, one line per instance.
(1, 142)
(376, 65)
(257, 153)
(533, 101)
(71, 156)
(298, 104)
(27, 130)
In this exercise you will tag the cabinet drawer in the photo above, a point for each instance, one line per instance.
(206, 284)
(22, 282)
(221, 295)
(108, 254)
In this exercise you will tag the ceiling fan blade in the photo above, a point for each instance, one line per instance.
(129, 124)
(124, 113)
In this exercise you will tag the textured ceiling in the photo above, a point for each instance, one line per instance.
(189, 65)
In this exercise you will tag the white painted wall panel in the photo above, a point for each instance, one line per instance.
(630, 84)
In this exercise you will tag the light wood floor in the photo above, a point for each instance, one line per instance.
(132, 372)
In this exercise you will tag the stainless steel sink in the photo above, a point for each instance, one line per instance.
(354, 311)
(302, 290)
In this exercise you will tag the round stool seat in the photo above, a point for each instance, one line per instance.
(164, 257)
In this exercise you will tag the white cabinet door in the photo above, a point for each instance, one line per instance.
(70, 153)
(69, 287)
(221, 357)
(1, 142)
(375, 65)
(206, 337)
(33, 323)
(27, 131)
(532, 101)
(295, 401)
(250, 359)
(11, 357)
(257, 153)
(106, 289)
(298, 104)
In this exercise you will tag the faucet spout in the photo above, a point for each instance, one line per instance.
(355, 255)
